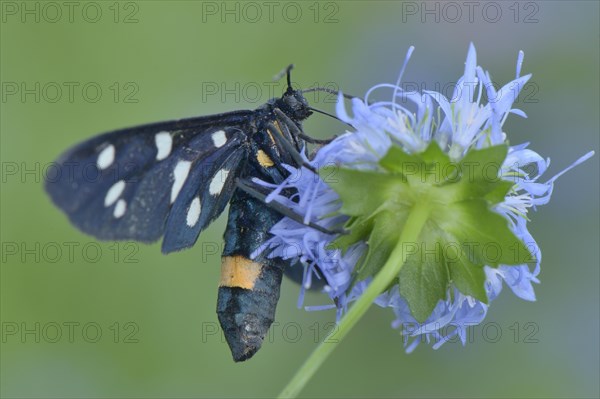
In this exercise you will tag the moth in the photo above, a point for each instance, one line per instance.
(172, 179)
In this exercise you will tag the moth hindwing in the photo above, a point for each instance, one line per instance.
(172, 179)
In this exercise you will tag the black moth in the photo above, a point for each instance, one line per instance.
(174, 178)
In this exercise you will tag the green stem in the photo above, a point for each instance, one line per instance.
(412, 229)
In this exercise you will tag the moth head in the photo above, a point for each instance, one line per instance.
(294, 105)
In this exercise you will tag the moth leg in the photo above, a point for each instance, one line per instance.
(289, 147)
(247, 187)
(297, 132)
(312, 140)
(294, 129)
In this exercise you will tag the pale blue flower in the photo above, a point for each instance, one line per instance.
(457, 124)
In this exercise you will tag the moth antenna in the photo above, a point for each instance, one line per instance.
(328, 114)
(287, 71)
(330, 91)
(289, 76)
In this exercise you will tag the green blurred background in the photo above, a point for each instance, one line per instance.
(159, 60)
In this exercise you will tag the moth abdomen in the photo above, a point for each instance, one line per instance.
(247, 300)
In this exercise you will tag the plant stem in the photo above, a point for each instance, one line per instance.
(412, 229)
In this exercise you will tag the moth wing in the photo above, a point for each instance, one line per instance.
(124, 184)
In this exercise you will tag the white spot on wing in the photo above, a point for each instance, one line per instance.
(106, 157)
(193, 213)
(219, 138)
(114, 192)
(180, 173)
(120, 208)
(164, 143)
(217, 182)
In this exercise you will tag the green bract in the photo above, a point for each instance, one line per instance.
(462, 233)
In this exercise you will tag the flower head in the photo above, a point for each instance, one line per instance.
(417, 125)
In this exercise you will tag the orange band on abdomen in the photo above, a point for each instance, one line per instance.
(239, 271)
